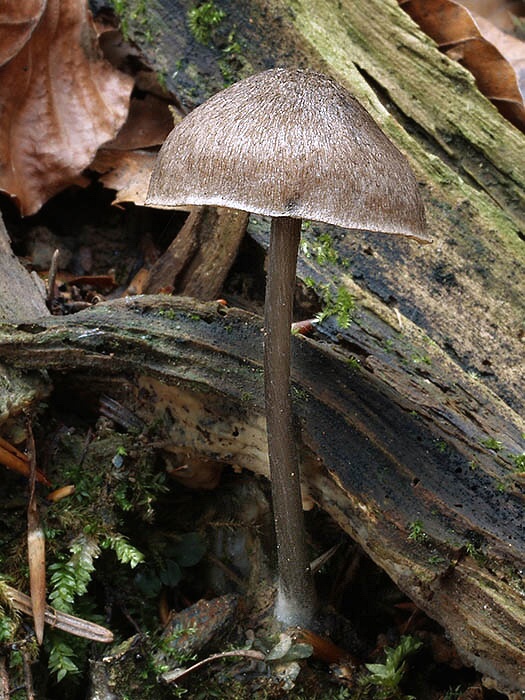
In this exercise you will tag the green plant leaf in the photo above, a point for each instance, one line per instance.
(171, 574)
(148, 583)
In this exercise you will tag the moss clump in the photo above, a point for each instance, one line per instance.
(133, 16)
(203, 20)
(519, 462)
(340, 304)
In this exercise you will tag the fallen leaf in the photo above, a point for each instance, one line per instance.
(57, 619)
(17, 22)
(149, 122)
(61, 100)
(495, 59)
(500, 13)
(127, 172)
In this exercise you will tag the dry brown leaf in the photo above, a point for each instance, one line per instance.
(125, 167)
(17, 22)
(499, 13)
(36, 548)
(465, 38)
(57, 619)
(149, 122)
(127, 172)
(60, 99)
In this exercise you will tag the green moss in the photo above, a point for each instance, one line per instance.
(232, 61)
(492, 444)
(419, 359)
(353, 363)
(442, 446)
(436, 560)
(416, 531)
(170, 314)
(133, 17)
(386, 678)
(321, 248)
(299, 394)
(519, 462)
(475, 552)
(341, 305)
(203, 20)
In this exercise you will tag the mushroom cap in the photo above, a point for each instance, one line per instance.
(289, 143)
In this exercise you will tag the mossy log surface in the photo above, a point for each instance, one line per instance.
(400, 457)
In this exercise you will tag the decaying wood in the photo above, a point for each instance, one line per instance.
(199, 258)
(22, 296)
(383, 449)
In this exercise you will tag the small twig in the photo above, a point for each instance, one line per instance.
(304, 327)
(11, 449)
(61, 621)
(36, 545)
(115, 411)
(87, 443)
(178, 673)
(317, 564)
(15, 460)
(51, 278)
(60, 493)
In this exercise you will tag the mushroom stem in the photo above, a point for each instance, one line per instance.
(296, 600)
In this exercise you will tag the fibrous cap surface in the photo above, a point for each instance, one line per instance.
(289, 143)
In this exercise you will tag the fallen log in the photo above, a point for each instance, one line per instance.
(420, 467)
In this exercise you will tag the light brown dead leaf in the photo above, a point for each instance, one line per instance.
(17, 22)
(495, 59)
(127, 172)
(60, 100)
(149, 122)
(123, 164)
(57, 619)
(500, 13)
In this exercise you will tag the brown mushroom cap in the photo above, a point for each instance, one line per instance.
(289, 143)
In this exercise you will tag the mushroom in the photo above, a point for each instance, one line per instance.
(289, 144)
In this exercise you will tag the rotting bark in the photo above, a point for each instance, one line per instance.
(418, 452)
(22, 297)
